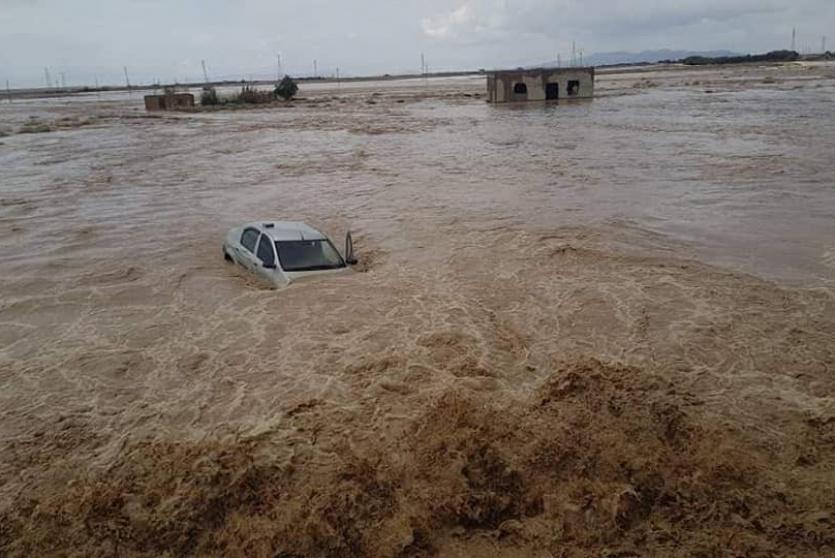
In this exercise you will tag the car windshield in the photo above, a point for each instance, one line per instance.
(308, 255)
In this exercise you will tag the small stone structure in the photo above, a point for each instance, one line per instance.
(169, 101)
(540, 84)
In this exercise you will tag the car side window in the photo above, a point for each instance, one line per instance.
(265, 250)
(248, 239)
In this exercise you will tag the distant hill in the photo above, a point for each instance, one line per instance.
(646, 56)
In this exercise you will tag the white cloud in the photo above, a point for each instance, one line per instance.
(448, 24)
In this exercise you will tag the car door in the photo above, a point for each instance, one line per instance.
(246, 251)
(266, 259)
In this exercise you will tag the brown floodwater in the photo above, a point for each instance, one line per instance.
(683, 223)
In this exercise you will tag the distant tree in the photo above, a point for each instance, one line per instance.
(773, 56)
(286, 89)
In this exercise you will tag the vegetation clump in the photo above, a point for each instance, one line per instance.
(35, 126)
(250, 95)
(209, 96)
(286, 89)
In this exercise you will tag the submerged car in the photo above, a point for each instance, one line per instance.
(280, 252)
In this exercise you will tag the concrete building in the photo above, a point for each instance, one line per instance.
(540, 84)
(169, 101)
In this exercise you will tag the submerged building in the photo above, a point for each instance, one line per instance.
(540, 84)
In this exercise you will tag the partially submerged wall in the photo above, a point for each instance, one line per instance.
(171, 101)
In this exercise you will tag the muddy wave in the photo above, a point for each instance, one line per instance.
(601, 458)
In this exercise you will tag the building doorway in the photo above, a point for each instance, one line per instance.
(552, 91)
(520, 92)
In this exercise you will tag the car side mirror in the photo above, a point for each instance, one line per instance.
(349, 249)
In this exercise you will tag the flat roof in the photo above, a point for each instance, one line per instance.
(560, 69)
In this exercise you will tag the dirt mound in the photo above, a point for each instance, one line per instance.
(601, 460)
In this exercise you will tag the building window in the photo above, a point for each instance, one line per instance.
(573, 88)
(552, 91)
(520, 89)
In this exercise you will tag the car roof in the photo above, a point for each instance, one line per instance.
(287, 230)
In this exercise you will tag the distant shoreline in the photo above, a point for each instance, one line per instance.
(43, 92)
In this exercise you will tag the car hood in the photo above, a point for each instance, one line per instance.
(297, 276)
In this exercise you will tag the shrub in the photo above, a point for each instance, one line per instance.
(209, 96)
(286, 89)
(250, 95)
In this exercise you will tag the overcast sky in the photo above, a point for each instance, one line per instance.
(167, 39)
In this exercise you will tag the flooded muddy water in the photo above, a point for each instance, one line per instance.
(654, 268)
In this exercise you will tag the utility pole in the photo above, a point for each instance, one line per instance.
(8, 91)
(48, 81)
(794, 37)
(205, 73)
(338, 85)
(422, 64)
(63, 81)
(278, 67)
(823, 44)
(559, 61)
(315, 68)
(581, 57)
(127, 79)
(573, 53)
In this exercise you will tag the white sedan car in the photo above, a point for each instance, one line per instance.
(280, 252)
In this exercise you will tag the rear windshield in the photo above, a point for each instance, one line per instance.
(308, 255)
